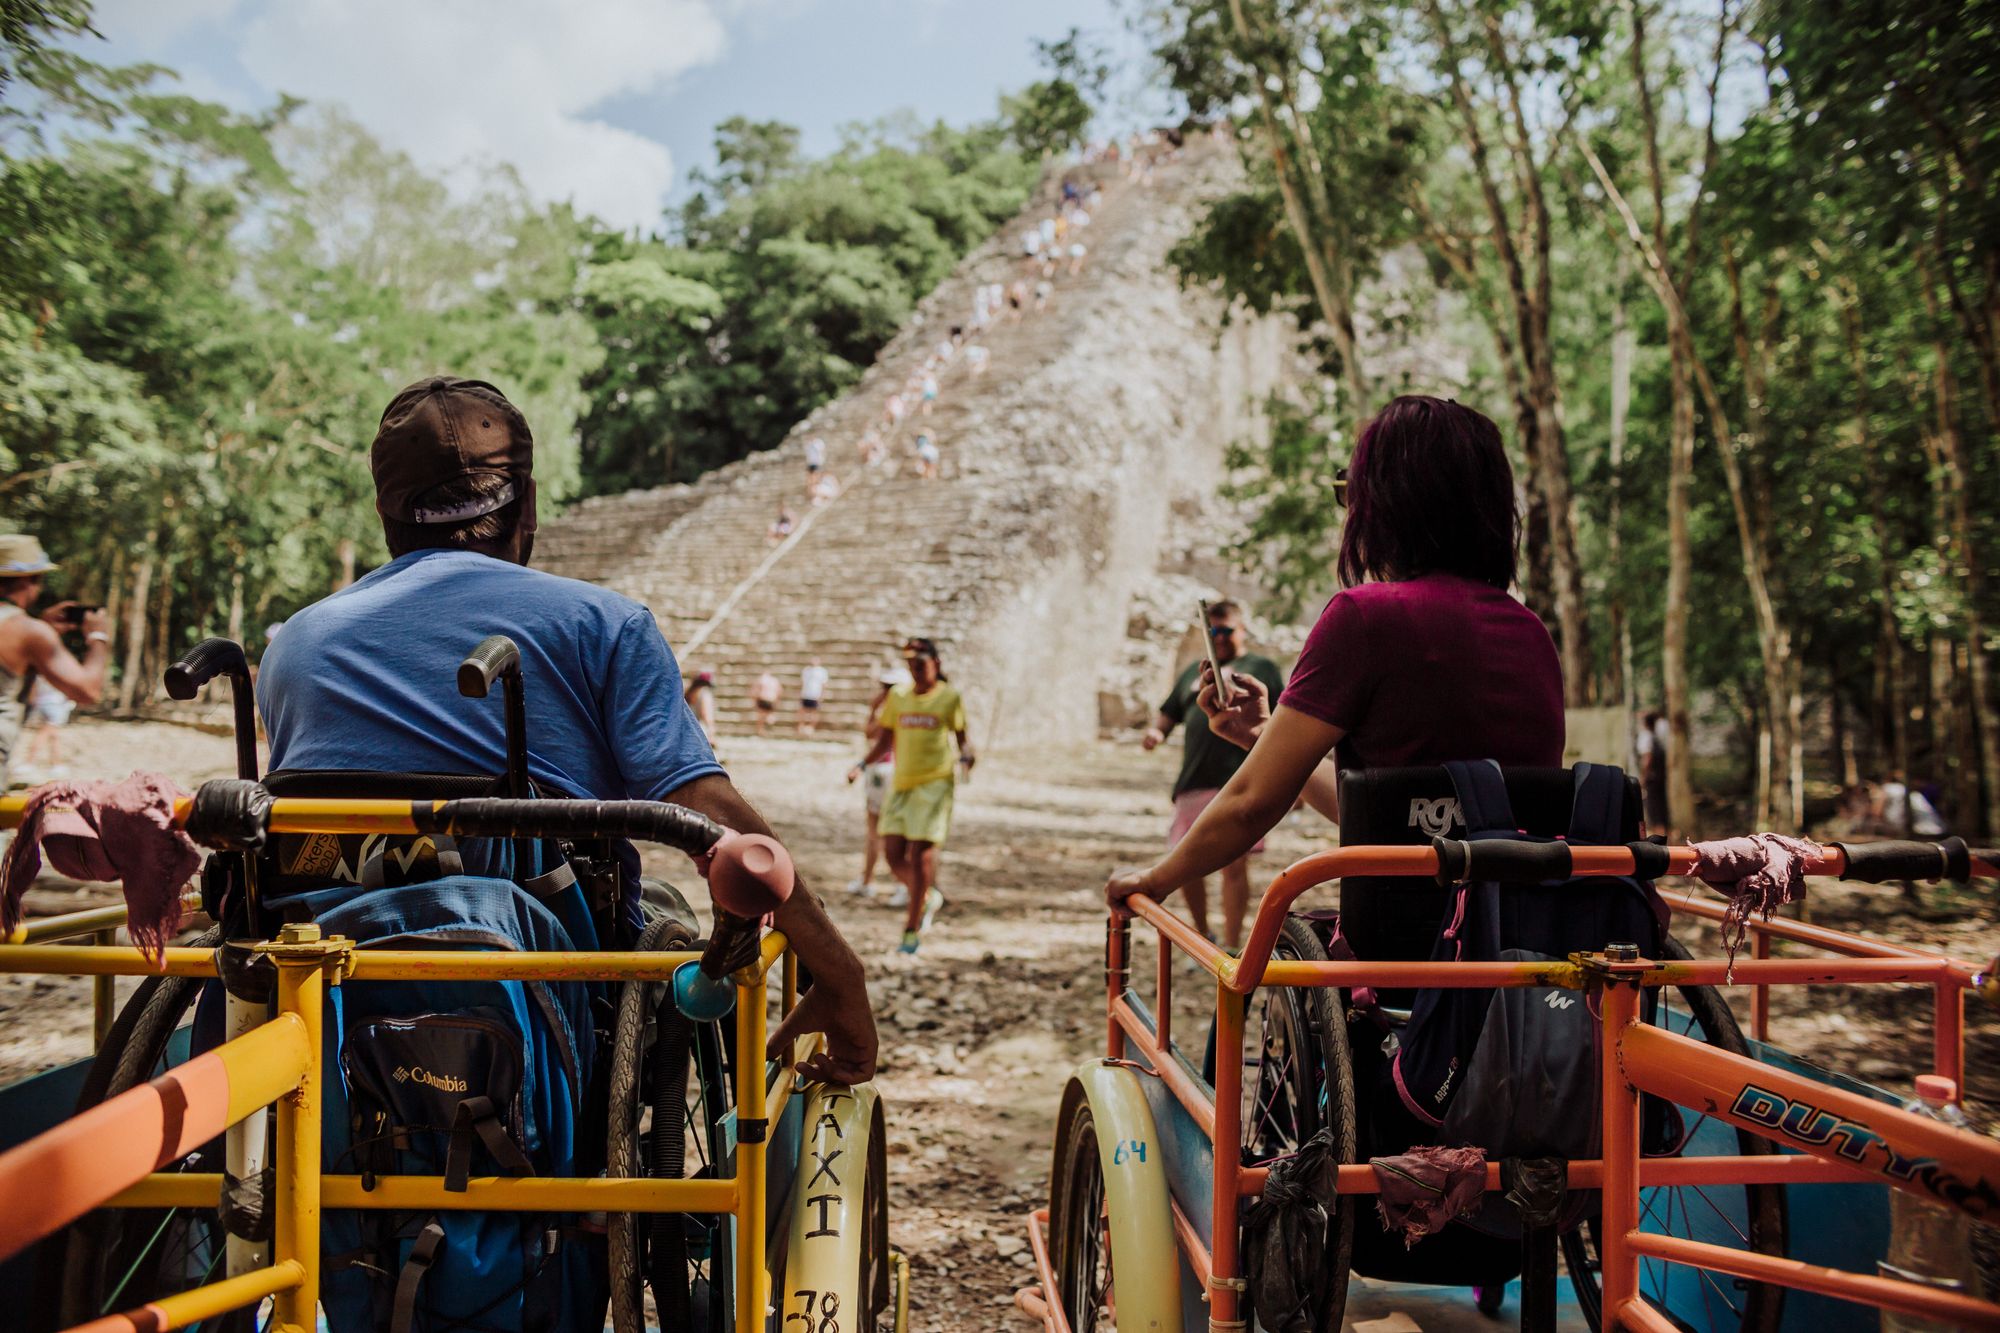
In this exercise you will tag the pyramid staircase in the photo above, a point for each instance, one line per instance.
(894, 555)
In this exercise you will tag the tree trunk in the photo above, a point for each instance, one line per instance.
(1623, 687)
(1843, 743)
(135, 631)
(344, 551)
(1961, 558)
(1680, 570)
(1795, 746)
(1326, 290)
(1530, 301)
(163, 626)
(236, 607)
(1944, 728)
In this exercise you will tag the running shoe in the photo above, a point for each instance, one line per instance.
(861, 888)
(900, 895)
(932, 901)
(911, 939)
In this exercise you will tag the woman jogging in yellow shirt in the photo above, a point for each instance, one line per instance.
(923, 717)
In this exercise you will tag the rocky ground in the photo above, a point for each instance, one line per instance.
(979, 1030)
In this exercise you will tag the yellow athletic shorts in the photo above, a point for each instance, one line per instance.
(921, 814)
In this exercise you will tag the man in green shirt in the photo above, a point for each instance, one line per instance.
(1208, 762)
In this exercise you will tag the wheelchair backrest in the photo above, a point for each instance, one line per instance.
(300, 875)
(1397, 918)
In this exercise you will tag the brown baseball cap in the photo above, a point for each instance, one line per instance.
(442, 429)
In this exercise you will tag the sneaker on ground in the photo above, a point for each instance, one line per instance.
(910, 941)
(899, 896)
(862, 887)
(932, 901)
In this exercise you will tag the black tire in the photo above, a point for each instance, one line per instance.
(684, 1258)
(1298, 1078)
(876, 1283)
(1753, 1307)
(1079, 1241)
(116, 1259)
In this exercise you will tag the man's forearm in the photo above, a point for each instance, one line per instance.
(803, 920)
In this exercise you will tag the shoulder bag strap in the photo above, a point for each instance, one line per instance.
(1482, 796)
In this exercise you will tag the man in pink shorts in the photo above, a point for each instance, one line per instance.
(1208, 762)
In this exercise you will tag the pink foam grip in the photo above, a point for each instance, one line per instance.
(749, 874)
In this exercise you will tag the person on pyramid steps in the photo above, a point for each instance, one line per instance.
(922, 719)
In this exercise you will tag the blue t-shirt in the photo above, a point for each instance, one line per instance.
(367, 679)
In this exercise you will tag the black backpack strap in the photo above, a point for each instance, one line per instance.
(422, 1255)
(1597, 806)
(1482, 796)
(476, 1115)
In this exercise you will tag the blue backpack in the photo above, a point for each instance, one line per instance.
(455, 1079)
(1515, 1071)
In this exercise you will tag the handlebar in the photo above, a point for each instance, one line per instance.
(749, 875)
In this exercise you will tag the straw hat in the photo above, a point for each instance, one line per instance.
(21, 554)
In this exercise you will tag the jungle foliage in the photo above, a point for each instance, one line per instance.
(202, 314)
(1727, 272)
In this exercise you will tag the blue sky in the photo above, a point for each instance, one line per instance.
(607, 102)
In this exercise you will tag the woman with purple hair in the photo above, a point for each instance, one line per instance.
(1423, 656)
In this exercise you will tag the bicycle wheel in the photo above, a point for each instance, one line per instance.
(1079, 1228)
(667, 1096)
(115, 1259)
(1298, 1078)
(1749, 1217)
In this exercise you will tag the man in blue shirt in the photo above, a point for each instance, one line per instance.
(364, 679)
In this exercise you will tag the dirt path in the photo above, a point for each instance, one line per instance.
(980, 1029)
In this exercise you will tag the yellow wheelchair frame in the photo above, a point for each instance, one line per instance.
(111, 1155)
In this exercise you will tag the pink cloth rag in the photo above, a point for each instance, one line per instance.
(1760, 873)
(1424, 1188)
(107, 831)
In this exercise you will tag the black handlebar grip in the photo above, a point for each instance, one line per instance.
(732, 945)
(204, 662)
(495, 656)
(501, 817)
(1881, 862)
(1501, 859)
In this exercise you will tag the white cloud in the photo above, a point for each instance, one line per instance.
(448, 81)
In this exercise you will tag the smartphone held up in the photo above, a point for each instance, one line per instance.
(1225, 691)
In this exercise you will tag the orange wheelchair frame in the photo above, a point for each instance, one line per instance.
(1852, 1137)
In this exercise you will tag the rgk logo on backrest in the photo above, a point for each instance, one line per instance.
(1435, 818)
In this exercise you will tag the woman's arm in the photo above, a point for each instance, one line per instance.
(1280, 767)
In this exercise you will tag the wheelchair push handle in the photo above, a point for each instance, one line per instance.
(498, 657)
(201, 664)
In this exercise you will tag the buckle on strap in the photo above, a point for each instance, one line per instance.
(423, 1254)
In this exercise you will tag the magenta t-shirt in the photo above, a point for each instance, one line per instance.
(1432, 669)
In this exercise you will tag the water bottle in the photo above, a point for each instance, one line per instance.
(1928, 1242)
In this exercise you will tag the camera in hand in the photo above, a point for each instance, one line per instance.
(74, 619)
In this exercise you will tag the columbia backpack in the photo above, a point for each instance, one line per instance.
(456, 1079)
(1515, 1071)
